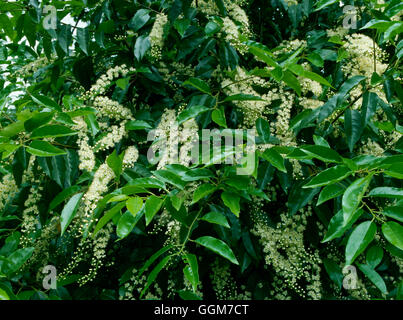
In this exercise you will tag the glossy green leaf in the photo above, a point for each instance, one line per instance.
(328, 176)
(44, 149)
(393, 232)
(69, 211)
(359, 240)
(218, 246)
(152, 206)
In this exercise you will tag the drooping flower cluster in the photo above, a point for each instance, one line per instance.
(285, 252)
(105, 81)
(8, 189)
(173, 141)
(361, 61)
(157, 35)
(85, 151)
(99, 185)
(130, 157)
(108, 108)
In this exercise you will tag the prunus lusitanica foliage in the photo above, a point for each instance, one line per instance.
(102, 103)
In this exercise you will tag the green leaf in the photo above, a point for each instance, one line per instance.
(353, 127)
(300, 197)
(17, 259)
(374, 276)
(69, 211)
(218, 116)
(331, 175)
(374, 256)
(242, 97)
(274, 158)
(141, 47)
(338, 226)
(191, 113)
(66, 193)
(115, 163)
(134, 205)
(393, 232)
(315, 59)
(263, 129)
(211, 28)
(218, 246)
(395, 171)
(231, 200)
(334, 272)
(387, 192)
(217, 218)
(329, 192)
(319, 141)
(139, 19)
(198, 84)
(353, 195)
(192, 270)
(83, 39)
(108, 216)
(368, 108)
(394, 212)
(46, 102)
(292, 82)
(37, 120)
(4, 295)
(125, 225)
(44, 149)
(189, 295)
(322, 153)
(152, 206)
(52, 131)
(181, 25)
(202, 191)
(154, 257)
(154, 273)
(138, 125)
(359, 239)
(321, 4)
(221, 7)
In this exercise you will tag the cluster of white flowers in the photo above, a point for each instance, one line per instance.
(232, 34)
(99, 253)
(337, 32)
(133, 287)
(288, 46)
(104, 82)
(174, 72)
(30, 68)
(371, 147)
(114, 135)
(85, 151)
(308, 103)
(308, 85)
(8, 189)
(174, 142)
(130, 157)
(157, 35)
(112, 109)
(99, 185)
(30, 215)
(285, 252)
(253, 109)
(209, 7)
(360, 60)
(224, 284)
